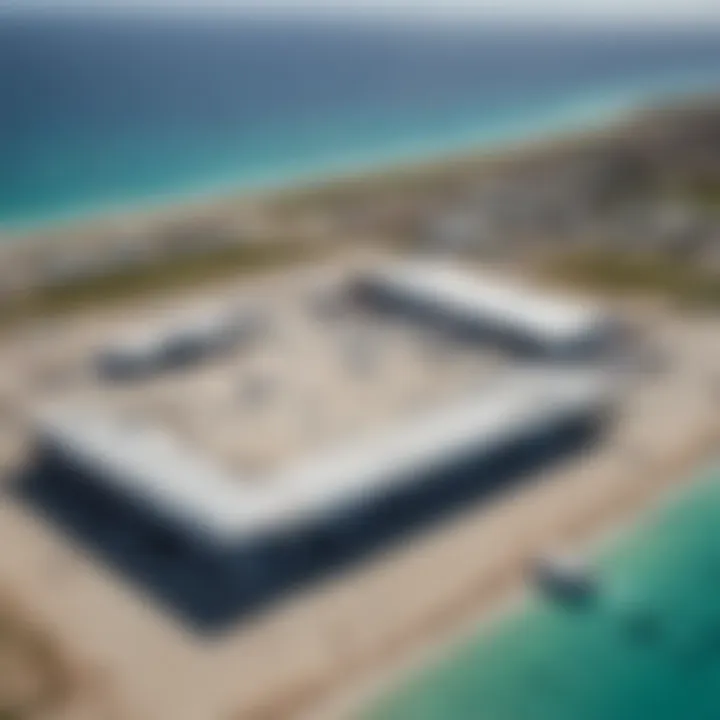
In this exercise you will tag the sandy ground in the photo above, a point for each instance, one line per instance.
(315, 654)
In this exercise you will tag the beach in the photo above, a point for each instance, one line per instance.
(611, 508)
(598, 664)
(92, 261)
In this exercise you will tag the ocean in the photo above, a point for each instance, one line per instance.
(648, 649)
(102, 113)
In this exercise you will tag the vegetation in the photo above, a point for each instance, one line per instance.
(639, 273)
(447, 175)
(705, 194)
(174, 273)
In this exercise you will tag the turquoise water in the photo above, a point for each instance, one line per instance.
(274, 159)
(100, 117)
(600, 663)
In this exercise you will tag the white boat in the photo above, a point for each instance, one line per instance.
(566, 578)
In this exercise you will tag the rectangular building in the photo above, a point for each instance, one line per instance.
(316, 441)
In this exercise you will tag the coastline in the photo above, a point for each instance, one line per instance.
(87, 263)
(395, 675)
(255, 217)
(584, 506)
(574, 120)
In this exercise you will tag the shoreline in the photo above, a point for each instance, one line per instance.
(584, 122)
(153, 247)
(481, 589)
(428, 651)
(27, 262)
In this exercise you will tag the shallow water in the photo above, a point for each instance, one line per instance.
(648, 648)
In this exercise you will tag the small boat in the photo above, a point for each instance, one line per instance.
(565, 578)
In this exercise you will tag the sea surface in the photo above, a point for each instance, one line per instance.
(648, 649)
(100, 113)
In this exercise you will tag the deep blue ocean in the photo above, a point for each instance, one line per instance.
(99, 113)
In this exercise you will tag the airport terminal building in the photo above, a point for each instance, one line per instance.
(419, 415)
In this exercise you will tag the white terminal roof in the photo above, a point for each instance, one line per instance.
(486, 298)
(155, 468)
